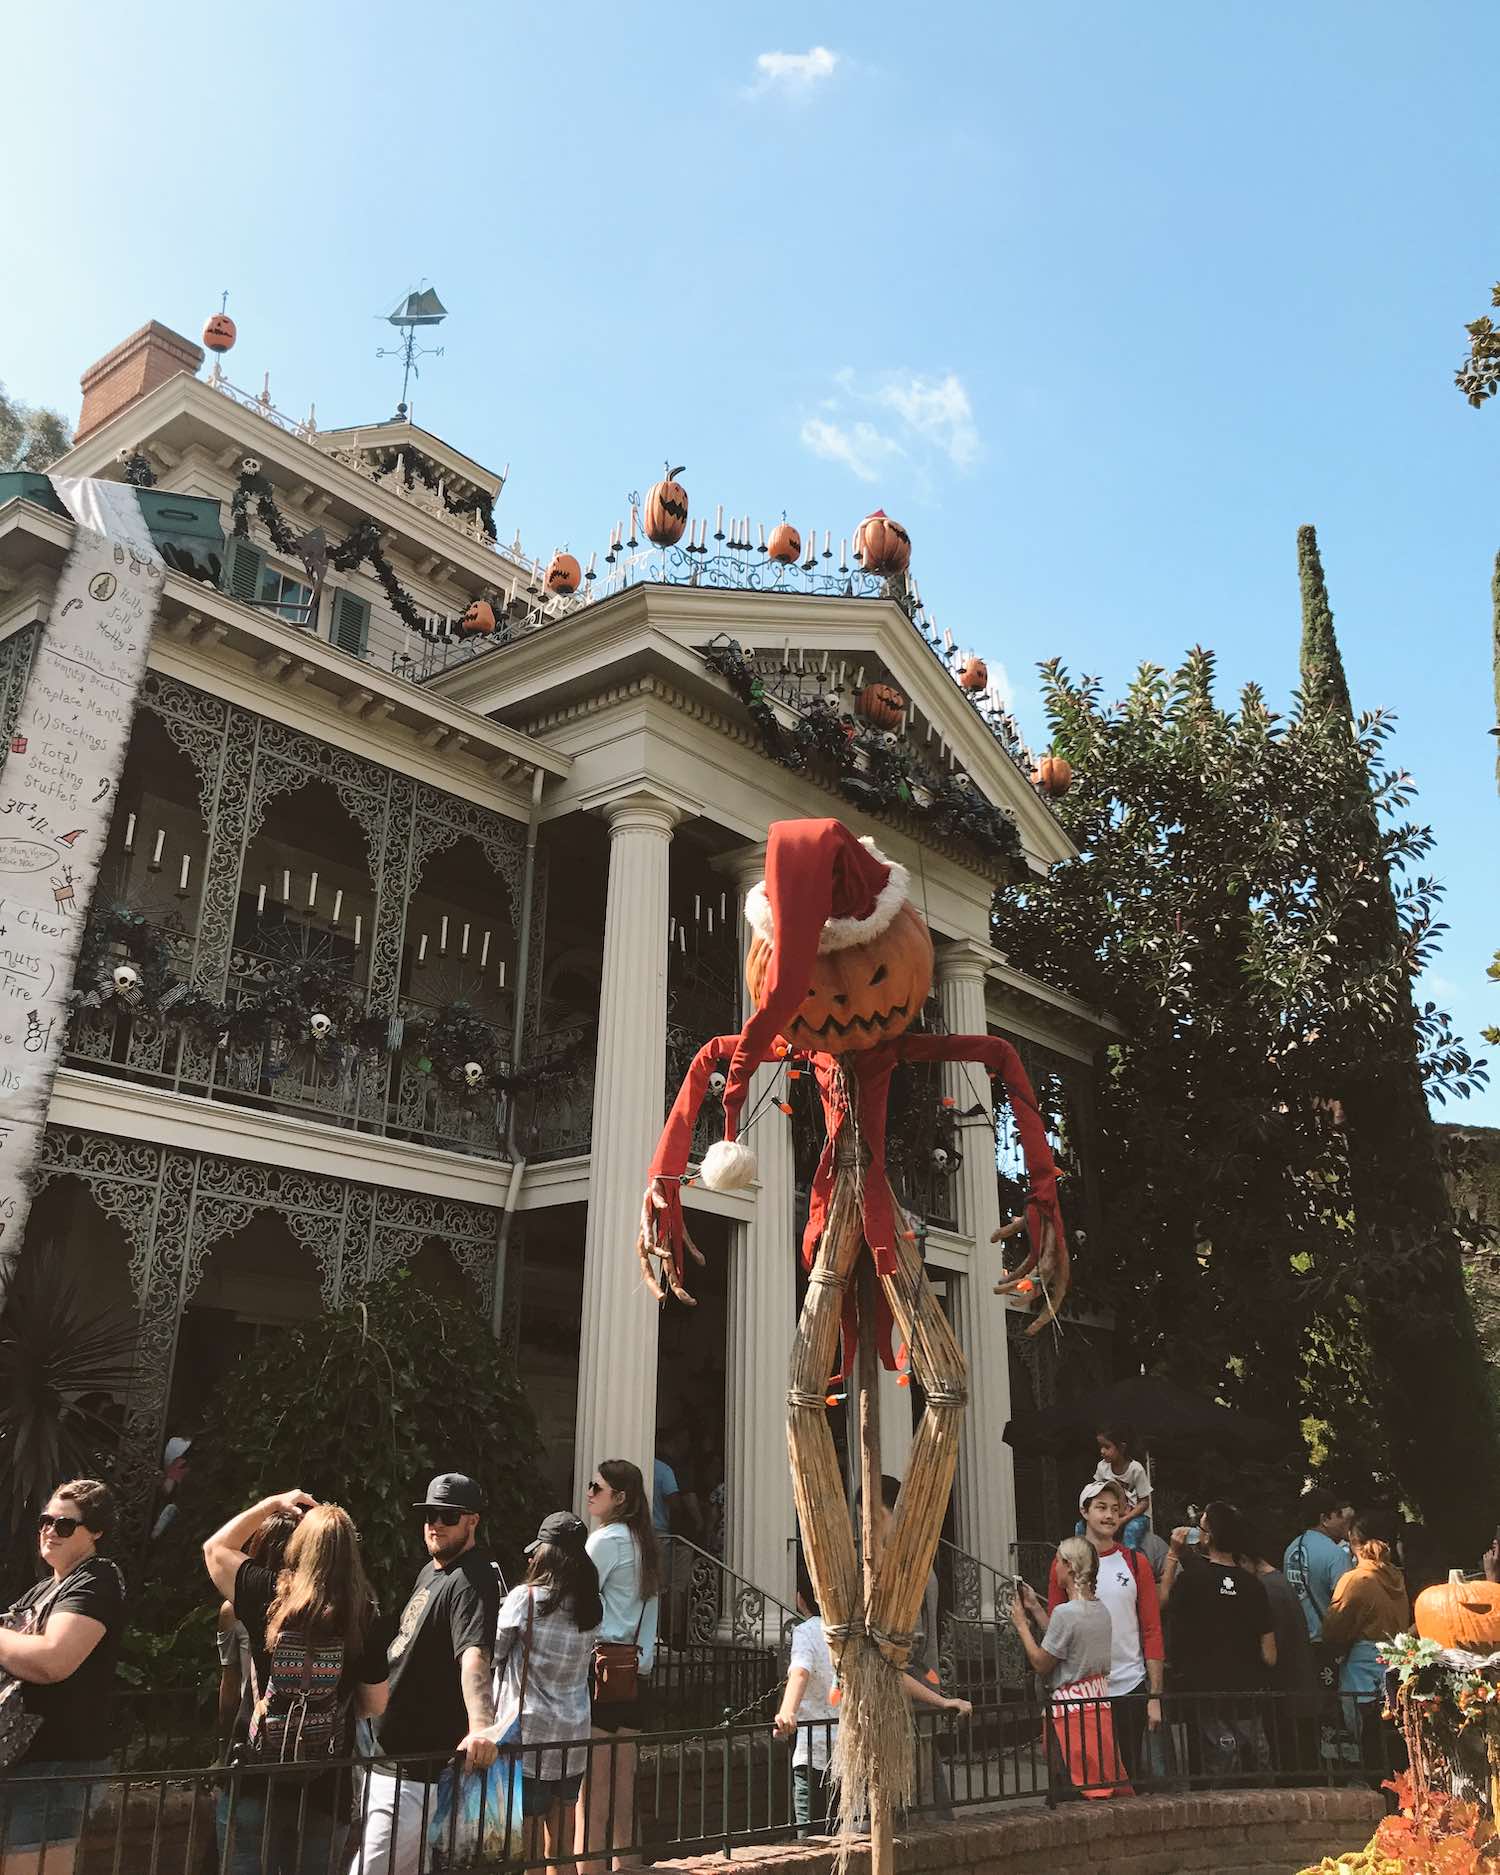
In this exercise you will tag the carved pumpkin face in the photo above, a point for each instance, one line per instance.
(974, 675)
(1461, 1614)
(479, 618)
(666, 511)
(563, 574)
(881, 704)
(1053, 775)
(860, 996)
(883, 545)
(785, 543)
(219, 332)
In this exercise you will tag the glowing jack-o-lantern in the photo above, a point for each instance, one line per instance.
(881, 704)
(666, 516)
(219, 332)
(859, 996)
(564, 574)
(883, 545)
(785, 543)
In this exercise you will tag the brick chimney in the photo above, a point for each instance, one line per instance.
(135, 366)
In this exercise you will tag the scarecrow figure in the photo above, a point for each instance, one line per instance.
(839, 965)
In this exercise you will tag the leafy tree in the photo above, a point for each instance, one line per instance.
(31, 437)
(1221, 855)
(1478, 377)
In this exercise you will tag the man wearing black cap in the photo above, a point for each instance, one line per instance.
(440, 1700)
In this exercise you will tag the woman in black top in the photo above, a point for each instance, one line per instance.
(287, 1822)
(61, 1640)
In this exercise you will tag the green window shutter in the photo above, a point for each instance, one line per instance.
(350, 630)
(242, 570)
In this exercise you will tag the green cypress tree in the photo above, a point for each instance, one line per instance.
(1430, 1386)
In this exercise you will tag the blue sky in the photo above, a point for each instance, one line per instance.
(1101, 302)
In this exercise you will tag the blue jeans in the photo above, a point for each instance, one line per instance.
(299, 1840)
(34, 1815)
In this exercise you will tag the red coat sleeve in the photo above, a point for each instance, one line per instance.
(1056, 1595)
(669, 1161)
(1147, 1606)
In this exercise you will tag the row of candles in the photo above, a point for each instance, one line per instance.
(677, 928)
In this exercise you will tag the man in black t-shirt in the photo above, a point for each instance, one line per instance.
(440, 1701)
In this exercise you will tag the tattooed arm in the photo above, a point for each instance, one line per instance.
(476, 1679)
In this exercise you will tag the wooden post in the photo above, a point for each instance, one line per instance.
(882, 1843)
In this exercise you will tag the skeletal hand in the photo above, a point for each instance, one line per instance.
(663, 1235)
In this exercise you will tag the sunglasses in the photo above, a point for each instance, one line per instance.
(442, 1514)
(594, 1485)
(63, 1526)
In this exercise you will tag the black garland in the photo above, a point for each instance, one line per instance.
(445, 1041)
(480, 504)
(821, 734)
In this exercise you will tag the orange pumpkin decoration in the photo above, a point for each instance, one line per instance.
(860, 996)
(564, 574)
(974, 675)
(785, 544)
(882, 545)
(666, 510)
(480, 617)
(1053, 775)
(881, 704)
(1460, 1614)
(219, 332)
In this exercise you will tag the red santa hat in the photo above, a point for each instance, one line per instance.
(824, 890)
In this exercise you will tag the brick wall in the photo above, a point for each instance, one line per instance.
(1253, 1832)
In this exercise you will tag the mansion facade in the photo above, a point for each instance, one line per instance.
(523, 849)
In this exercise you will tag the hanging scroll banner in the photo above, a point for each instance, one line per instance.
(57, 793)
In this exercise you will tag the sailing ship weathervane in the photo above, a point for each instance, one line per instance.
(415, 313)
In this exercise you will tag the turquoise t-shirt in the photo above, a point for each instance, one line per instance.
(1313, 1564)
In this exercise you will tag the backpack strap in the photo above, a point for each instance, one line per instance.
(525, 1662)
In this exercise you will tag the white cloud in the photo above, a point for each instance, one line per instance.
(939, 411)
(793, 71)
(861, 447)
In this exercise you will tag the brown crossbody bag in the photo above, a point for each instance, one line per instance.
(617, 1668)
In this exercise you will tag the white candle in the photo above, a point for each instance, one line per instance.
(826, 539)
(710, 921)
(484, 951)
(719, 522)
(338, 905)
(634, 520)
(422, 950)
(812, 543)
(312, 892)
(443, 932)
(762, 536)
(697, 907)
(502, 973)
(182, 882)
(357, 923)
(130, 833)
(843, 550)
(286, 887)
(463, 948)
(592, 558)
(723, 906)
(260, 902)
(161, 840)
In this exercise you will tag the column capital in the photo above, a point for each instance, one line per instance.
(642, 806)
(966, 960)
(746, 865)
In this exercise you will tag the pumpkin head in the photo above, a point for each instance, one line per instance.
(219, 332)
(479, 618)
(1053, 775)
(1461, 1614)
(785, 543)
(883, 545)
(859, 996)
(881, 704)
(974, 675)
(666, 510)
(563, 574)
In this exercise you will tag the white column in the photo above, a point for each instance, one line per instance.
(760, 1518)
(617, 1341)
(986, 1519)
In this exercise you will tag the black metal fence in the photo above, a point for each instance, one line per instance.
(707, 1790)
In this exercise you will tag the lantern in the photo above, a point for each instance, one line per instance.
(563, 574)
(1460, 1614)
(785, 544)
(1053, 775)
(321, 1026)
(219, 332)
(473, 1073)
(860, 996)
(882, 545)
(974, 675)
(480, 617)
(881, 704)
(666, 510)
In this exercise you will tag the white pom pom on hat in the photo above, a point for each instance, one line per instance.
(728, 1165)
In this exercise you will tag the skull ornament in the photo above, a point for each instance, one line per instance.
(126, 978)
(940, 1158)
(321, 1026)
(251, 465)
(473, 1073)
(717, 1082)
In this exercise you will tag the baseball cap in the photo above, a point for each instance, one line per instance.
(451, 1490)
(559, 1526)
(1091, 1490)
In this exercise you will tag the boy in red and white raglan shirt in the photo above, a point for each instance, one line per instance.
(1127, 1589)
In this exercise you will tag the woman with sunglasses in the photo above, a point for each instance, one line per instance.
(623, 1549)
(61, 1640)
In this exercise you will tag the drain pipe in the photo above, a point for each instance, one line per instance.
(513, 1147)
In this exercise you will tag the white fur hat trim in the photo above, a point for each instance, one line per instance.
(840, 934)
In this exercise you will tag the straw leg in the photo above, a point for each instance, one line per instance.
(882, 1818)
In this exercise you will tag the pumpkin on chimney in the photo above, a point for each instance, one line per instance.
(882, 705)
(219, 332)
(785, 544)
(882, 545)
(974, 675)
(1460, 1614)
(480, 617)
(666, 510)
(563, 574)
(1053, 774)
